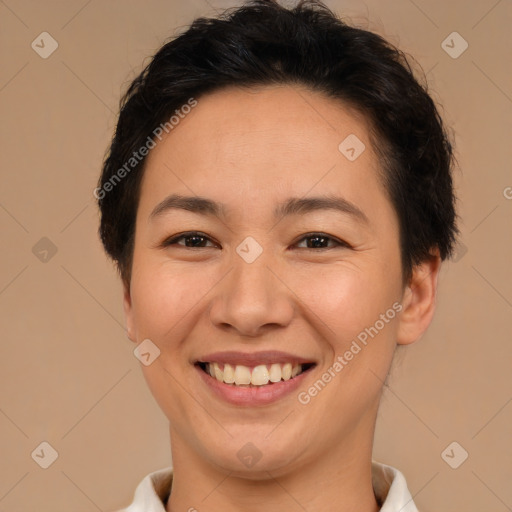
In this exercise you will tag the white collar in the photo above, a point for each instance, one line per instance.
(389, 486)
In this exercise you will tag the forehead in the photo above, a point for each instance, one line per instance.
(240, 145)
(240, 122)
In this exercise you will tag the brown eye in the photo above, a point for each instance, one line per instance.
(321, 241)
(192, 239)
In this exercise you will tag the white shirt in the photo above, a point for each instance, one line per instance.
(389, 486)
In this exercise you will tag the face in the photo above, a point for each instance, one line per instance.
(265, 274)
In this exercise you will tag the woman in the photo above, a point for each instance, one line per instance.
(278, 200)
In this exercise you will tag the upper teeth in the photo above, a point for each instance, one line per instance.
(259, 376)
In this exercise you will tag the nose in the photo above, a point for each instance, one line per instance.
(252, 299)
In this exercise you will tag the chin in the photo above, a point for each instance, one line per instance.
(254, 457)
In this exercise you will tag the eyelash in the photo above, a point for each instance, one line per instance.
(174, 239)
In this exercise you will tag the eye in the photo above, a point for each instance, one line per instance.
(196, 239)
(318, 241)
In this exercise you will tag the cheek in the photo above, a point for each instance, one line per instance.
(347, 300)
(164, 296)
(163, 311)
(166, 299)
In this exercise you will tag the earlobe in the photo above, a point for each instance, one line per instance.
(419, 300)
(128, 313)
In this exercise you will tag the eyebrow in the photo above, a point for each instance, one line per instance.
(292, 206)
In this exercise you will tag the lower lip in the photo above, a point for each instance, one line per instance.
(252, 395)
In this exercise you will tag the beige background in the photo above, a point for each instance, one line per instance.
(68, 373)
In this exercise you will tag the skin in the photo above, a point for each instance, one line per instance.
(252, 149)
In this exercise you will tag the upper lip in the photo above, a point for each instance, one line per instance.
(253, 358)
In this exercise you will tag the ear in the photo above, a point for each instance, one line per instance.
(419, 300)
(128, 313)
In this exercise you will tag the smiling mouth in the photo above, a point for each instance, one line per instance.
(260, 375)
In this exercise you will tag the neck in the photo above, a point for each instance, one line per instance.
(339, 480)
